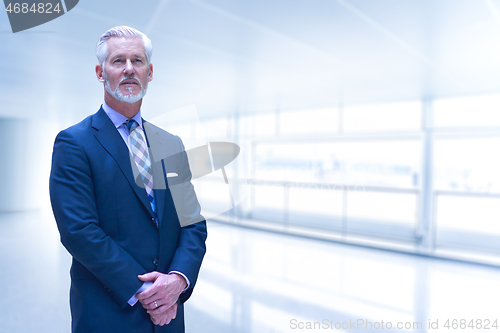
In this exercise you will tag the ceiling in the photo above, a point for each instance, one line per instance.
(244, 56)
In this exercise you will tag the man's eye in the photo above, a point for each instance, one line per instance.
(117, 60)
(138, 60)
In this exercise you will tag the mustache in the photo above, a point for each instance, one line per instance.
(131, 77)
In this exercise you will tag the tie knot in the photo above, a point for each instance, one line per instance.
(131, 124)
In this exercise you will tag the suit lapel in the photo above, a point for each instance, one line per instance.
(156, 147)
(160, 148)
(112, 142)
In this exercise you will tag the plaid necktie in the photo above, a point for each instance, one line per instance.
(140, 154)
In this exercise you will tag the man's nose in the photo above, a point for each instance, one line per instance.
(129, 69)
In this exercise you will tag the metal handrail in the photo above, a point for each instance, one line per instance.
(467, 194)
(332, 186)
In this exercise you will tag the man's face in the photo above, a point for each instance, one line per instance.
(126, 72)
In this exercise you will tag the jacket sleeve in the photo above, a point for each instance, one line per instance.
(74, 206)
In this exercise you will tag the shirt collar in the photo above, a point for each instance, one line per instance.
(117, 118)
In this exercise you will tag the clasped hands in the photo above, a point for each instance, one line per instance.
(160, 300)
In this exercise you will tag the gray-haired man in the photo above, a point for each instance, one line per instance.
(133, 264)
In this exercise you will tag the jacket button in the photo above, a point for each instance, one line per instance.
(155, 261)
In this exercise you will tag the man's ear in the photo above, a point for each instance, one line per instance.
(150, 74)
(99, 73)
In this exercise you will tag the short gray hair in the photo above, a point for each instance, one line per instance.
(101, 50)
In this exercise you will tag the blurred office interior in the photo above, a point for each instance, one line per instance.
(367, 185)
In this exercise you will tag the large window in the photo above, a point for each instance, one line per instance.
(466, 176)
(420, 172)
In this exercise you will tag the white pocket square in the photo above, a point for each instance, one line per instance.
(172, 174)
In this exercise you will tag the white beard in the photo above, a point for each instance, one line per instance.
(117, 94)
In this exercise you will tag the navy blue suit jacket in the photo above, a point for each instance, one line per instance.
(105, 222)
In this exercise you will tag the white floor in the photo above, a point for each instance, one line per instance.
(254, 281)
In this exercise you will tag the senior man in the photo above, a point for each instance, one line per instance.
(137, 239)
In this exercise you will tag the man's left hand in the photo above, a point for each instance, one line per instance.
(162, 295)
